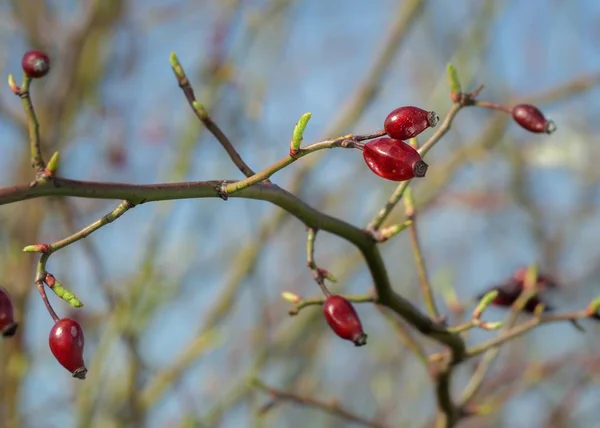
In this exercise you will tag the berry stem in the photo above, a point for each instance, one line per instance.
(318, 301)
(40, 286)
(493, 106)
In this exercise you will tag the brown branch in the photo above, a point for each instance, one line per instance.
(311, 217)
(522, 329)
(202, 114)
(331, 408)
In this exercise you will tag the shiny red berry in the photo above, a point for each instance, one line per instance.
(408, 122)
(35, 64)
(8, 326)
(532, 119)
(343, 320)
(393, 159)
(66, 343)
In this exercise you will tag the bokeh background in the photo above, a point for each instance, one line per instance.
(182, 299)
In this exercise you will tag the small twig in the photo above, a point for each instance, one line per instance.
(405, 335)
(33, 127)
(47, 249)
(347, 141)
(202, 114)
(319, 275)
(424, 284)
(332, 408)
(493, 106)
(524, 328)
(121, 209)
(303, 303)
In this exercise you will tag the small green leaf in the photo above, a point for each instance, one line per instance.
(484, 303)
(453, 79)
(53, 163)
(66, 295)
(594, 306)
(176, 66)
(13, 84)
(298, 134)
(173, 60)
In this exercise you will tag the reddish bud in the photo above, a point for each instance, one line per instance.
(8, 327)
(343, 320)
(408, 122)
(50, 280)
(66, 343)
(35, 64)
(532, 119)
(393, 159)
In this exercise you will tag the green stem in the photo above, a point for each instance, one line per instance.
(33, 127)
(418, 255)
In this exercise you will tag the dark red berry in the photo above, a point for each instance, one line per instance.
(543, 280)
(343, 320)
(408, 122)
(393, 159)
(35, 64)
(532, 119)
(8, 326)
(66, 343)
(510, 290)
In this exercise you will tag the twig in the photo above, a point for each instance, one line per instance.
(319, 275)
(524, 328)
(332, 408)
(424, 284)
(33, 127)
(202, 114)
(346, 141)
(47, 249)
(121, 209)
(405, 335)
(303, 303)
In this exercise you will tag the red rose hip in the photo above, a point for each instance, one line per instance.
(393, 159)
(343, 320)
(8, 326)
(35, 64)
(66, 343)
(532, 119)
(408, 122)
